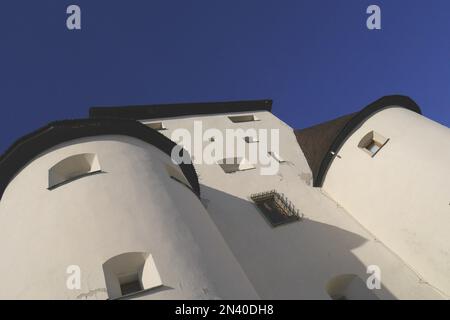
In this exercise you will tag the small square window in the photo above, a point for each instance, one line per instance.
(73, 168)
(156, 125)
(130, 273)
(276, 208)
(250, 139)
(372, 142)
(230, 165)
(243, 118)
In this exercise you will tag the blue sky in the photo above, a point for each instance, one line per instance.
(316, 59)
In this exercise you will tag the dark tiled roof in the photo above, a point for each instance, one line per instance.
(316, 140)
(181, 109)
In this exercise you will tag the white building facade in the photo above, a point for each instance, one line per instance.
(97, 209)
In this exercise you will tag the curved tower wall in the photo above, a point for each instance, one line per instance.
(402, 193)
(131, 206)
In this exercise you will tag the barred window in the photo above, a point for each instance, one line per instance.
(276, 208)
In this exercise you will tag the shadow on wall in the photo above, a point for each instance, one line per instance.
(299, 260)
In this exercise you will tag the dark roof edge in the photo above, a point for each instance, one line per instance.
(32, 145)
(355, 122)
(140, 112)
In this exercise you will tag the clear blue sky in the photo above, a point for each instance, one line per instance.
(315, 58)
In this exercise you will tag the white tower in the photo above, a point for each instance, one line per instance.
(100, 195)
(392, 172)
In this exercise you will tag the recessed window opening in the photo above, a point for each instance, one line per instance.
(156, 125)
(251, 139)
(372, 143)
(243, 118)
(276, 208)
(130, 273)
(349, 287)
(231, 165)
(72, 168)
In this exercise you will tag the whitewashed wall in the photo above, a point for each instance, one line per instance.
(402, 194)
(134, 206)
